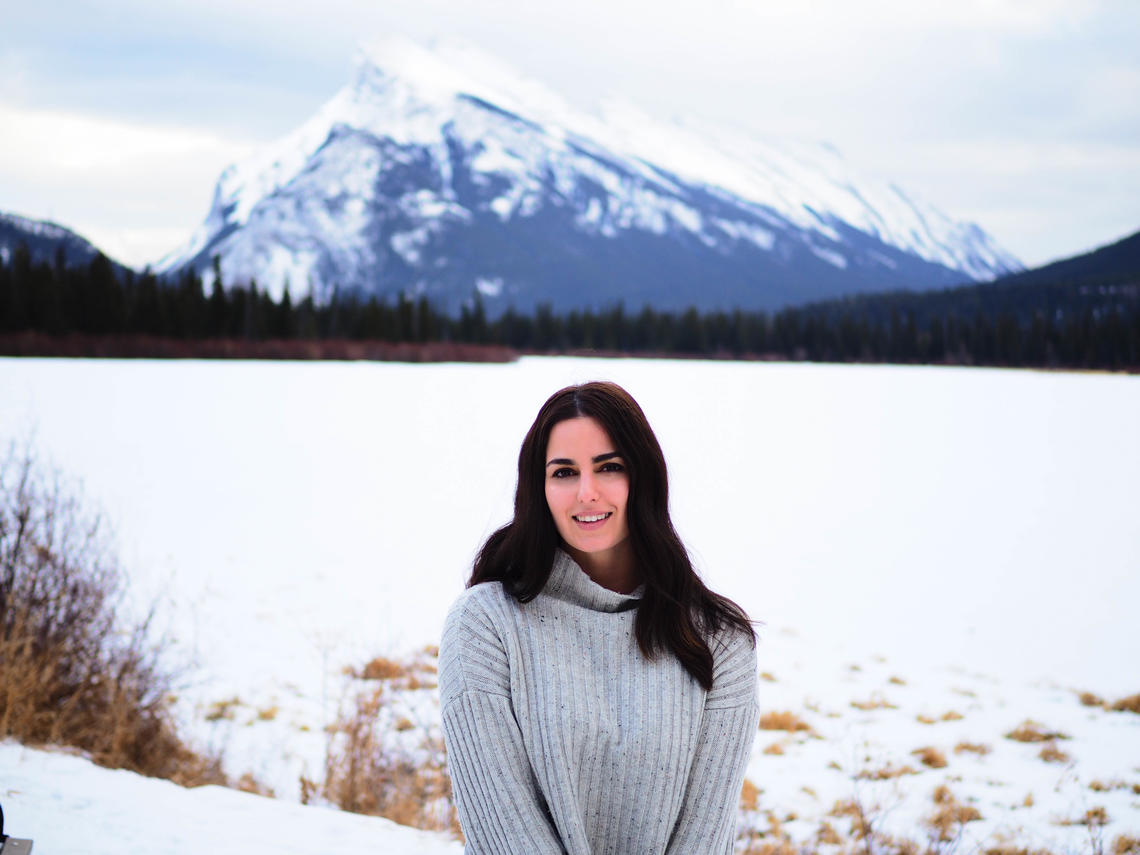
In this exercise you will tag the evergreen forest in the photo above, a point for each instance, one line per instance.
(1073, 321)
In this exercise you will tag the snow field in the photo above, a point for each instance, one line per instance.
(970, 532)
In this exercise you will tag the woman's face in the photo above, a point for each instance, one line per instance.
(587, 487)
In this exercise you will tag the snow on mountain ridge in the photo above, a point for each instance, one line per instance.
(532, 149)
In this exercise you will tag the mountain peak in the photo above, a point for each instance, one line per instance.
(437, 168)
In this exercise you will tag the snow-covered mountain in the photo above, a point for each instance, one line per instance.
(44, 239)
(443, 173)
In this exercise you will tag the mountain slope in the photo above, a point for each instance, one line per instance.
(444, 173)
(43, 239)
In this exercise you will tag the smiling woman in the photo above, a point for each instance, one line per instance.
(597, 697)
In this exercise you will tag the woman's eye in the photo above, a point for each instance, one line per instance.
(613, 467)
(562, 473)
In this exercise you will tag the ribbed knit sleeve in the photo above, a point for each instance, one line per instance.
(500, 807)
(707, 820)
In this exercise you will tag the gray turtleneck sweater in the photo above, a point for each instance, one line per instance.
(563, 738)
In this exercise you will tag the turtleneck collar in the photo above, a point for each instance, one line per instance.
(569, 582)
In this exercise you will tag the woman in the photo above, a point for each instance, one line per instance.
(597, 697)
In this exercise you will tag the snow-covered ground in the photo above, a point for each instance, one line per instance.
(972, 534)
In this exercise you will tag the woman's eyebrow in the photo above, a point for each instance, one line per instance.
(566, 461)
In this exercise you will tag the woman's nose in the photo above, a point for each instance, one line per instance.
(587, 487)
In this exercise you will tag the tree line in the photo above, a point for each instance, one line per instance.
(1076, 324)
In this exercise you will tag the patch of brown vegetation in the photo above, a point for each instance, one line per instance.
(1125, 845)
(947, 821)
(886, 773)
(1129, 704)
(949, 715)
(897, 681)
(1094, 817)
(783, 720)
(875, 702)
(1052, 754)
(249, 784)
(774, 749)
(1099, 786)
(1032, 731)
(376, 768)
(749, 796)
(74, 671)
(979, 748)
(768, 676)
(1028, 801)
(827, 834)
(930, 756)
(414, 673)
(222, 710)
(1088, 699)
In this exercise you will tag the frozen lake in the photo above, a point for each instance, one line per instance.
(322, 512)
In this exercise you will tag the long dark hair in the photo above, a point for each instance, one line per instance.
(677, 613)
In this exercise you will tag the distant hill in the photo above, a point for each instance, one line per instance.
(1101, 281)
(44, 239)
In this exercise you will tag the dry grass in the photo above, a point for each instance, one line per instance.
(775, 749)
(875, 702)
(749, 796)
(783, 720)
(950, 715)
(1033, 731)
(897, 681)
(767, 676)
(382, 763)
(1094, 817)
(931, 757)
(885, 773)
(1052, 754)
(75, 672)
(1088, 699)
(1129, 704)
(950, 815)
(1125, 845)
(979, 748)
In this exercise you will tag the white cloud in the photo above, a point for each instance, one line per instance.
(134, 189)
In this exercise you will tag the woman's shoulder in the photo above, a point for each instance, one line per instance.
(734, 667)
(472, 655)
(479, 605)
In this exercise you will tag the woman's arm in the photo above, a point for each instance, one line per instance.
(707, 820)
(500, 807)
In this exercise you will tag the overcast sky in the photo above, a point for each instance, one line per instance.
(117, 116)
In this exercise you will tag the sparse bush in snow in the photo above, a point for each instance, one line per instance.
(72, 670)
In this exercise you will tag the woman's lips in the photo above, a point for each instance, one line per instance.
(592, 521)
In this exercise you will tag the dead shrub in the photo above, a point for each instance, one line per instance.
(1125, 845)
(381, 762)
(978, 748)
(931, 757)
(947, 821)
(786, 720)
(75, 671)
(417, 672)
(767, 676)
(1088, 699)
(774, 749)
(1032, 731)
(1129, 704)
(1052, 754)
(381, 668)
(827, 834)
(897, 681)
